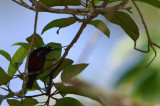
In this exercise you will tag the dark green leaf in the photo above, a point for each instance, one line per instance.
(18, 64)
(64, 22)
(101, 26)
(35, 87)
(68, 101)
(5, 54)
(155, 3)
(38, 42)
(51, 3)
(4, 78)
(66, 63)
(125, 21)
(19, 56)
(25, 45)
(30, 101)
(72, 71)
(60, 87)
(14, 102)
(26, 102)
(10, 94)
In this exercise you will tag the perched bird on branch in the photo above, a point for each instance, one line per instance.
(36, 63)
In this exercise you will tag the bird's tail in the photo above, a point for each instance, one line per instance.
(30, 82)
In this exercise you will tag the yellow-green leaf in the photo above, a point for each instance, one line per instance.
(4, 78)
(101, 26)
(72, 71)
(19, 56)
(38, 41)
(5, 54)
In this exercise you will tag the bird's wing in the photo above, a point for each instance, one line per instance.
(35, 63)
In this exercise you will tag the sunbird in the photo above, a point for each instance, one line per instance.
(36, 63)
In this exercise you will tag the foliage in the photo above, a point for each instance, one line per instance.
(66, 67)
(141, 83)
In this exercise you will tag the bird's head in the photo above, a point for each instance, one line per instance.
(45, 49)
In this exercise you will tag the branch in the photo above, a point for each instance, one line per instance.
(66, 7)
(63, 57)
(29, 51)
(24, 5)
(31, 96)
(84, 24)
(44, 8)
(145, 26)
(150, 42)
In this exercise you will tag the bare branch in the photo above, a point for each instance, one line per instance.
(66, 7)
(145, 26)
(43, 8)
(24, 5)
(128, 9)
(155, 54)
(29, 51)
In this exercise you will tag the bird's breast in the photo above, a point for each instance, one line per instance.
(36, 62)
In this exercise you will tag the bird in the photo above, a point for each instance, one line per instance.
(36, 63)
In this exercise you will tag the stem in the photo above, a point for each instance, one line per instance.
(145, 27)
(29, 51)
(63, 57)
(76, 11)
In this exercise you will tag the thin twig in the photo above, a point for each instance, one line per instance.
(143, 51)
(63, 57)
(105, 3)
(155, 54)
(19, 71)
(128, 9)
(29, 51)
(150, 43)
(53, 98)
(54, 93)
(65, 5)
(31, 96)
(78, 19)
(82, 3)
(41, 91)
(40, 71)
(43, 8)
(93, 5)
(86, 3)
(66, 53)
(155, 45)
(24, 5)
(145, 26)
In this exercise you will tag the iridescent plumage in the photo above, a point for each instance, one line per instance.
(36, 63)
